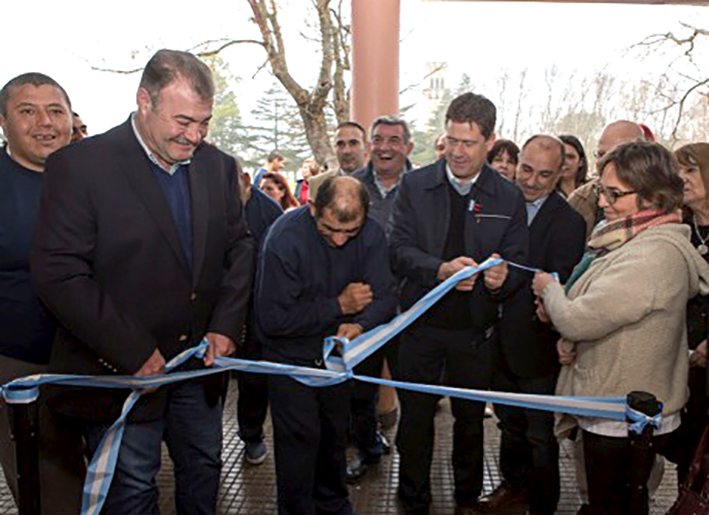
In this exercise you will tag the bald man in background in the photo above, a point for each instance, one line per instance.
(584, 199)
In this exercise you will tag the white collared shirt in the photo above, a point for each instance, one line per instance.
(462, 186)
(150, 155)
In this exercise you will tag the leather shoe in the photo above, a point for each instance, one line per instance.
(503, 496)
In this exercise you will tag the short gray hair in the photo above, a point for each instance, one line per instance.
(391, 120)
(167, 66)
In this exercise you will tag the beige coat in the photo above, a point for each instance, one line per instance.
(626, 316)
(316, 181)
(585, 201)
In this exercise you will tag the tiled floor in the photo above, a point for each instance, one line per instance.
(250, 490)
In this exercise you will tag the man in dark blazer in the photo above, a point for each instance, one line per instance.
(525, 359)
(454, 213)
(141, 251)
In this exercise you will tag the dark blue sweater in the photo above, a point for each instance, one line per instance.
(300, 277)
(261, 211)
(176, 188)
(26, 332)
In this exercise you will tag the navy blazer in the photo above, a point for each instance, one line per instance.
(496, 223)
(108, 263)
(556, 243)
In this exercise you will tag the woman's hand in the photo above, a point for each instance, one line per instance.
(566, 351)
(699, 356)
(542, 314)
(541, 280)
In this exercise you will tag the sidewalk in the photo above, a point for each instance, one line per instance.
(250, 490)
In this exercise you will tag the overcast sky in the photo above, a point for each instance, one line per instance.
(65, 40)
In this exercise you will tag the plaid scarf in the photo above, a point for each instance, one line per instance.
(608, 236)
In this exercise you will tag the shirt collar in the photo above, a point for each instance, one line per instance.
(462, 186)
(538, 203)
(533, 208)
(383, 190)
(150, 155)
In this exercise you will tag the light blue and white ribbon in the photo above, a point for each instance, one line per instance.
(337, 370)
(100, 471)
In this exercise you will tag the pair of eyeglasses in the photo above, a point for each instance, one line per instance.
(610, 194)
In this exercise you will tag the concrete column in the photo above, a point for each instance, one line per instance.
(375, 59)
(375, 92)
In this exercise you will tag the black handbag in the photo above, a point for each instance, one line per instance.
(693, 496)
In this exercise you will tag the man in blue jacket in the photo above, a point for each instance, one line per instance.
(323, 270)
(449, 215)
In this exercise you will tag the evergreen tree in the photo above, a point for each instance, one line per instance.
(425, 139)
(226, 130)
(279, 127)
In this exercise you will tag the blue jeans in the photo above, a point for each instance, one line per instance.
(193, 432)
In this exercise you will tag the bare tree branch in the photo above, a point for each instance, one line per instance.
(415, 85)
(311, 104)
(680, 105)
(686, 47)
(258, 70)
(226, 44)
(115, 70)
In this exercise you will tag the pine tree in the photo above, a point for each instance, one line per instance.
(279, 127)
(226, 129)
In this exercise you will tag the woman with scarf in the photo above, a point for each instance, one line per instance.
(622, 313)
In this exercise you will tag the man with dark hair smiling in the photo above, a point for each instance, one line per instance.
(142, 252)
(525, 359)
(35, 116)
(391, 145)
(449, 215)
(323, 270)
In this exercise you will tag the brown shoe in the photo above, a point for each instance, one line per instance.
(503, 496)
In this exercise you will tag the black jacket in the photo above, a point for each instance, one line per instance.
(419, 227)
(108, 263)
(556, 243)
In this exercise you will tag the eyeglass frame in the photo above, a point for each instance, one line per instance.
(611, 195)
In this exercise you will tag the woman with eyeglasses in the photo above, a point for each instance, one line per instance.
(621, 315)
